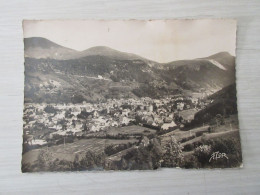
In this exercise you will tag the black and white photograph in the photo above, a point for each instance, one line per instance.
(130, 95)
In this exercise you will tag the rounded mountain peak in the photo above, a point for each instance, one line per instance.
(40, 42)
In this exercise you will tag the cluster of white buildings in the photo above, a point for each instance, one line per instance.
(77, 119)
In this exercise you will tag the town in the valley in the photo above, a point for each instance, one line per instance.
(83, 119)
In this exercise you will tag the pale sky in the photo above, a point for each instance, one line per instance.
(158, 40)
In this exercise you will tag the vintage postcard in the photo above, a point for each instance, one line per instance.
(130, 95)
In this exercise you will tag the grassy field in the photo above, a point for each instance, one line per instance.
(69, 150)
(188, 114)
(128, 130)
(183, 136)
(97, 145)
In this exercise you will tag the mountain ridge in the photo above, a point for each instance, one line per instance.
(44, 44)
(38, 47)
(102, 72)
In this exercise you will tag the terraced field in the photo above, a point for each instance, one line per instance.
(69, 150)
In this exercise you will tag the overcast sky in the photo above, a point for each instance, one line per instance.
(158, 40)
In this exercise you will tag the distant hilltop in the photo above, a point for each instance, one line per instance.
(38, 47)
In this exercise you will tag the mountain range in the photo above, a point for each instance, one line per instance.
(54, 73)
(38, 47)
